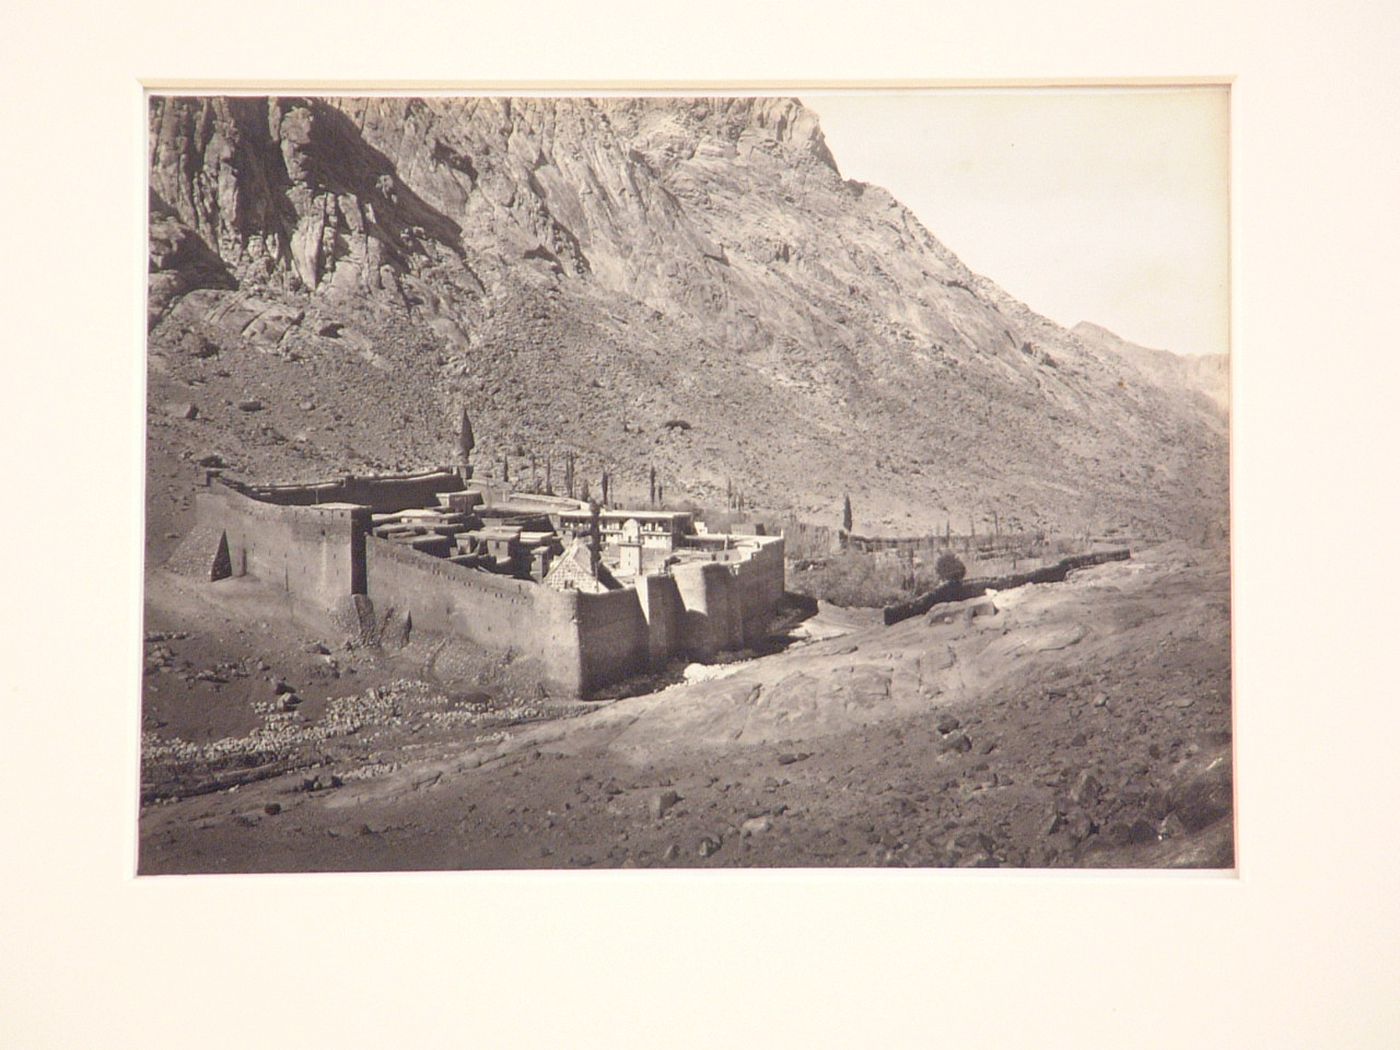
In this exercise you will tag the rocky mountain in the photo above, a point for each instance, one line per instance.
(1203, 375)
(589, 275)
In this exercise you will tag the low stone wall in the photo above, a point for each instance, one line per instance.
(960, 590)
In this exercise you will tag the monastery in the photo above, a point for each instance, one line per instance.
(593, 594)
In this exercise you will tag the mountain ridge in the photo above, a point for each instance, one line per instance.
(579, 272)
(1204, 374)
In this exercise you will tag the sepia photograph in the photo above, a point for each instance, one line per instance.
(688, 481)
(800, 525)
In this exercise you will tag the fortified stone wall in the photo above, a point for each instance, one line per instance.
(385, 493)
(706, 623)
(612, 636)
(660, 602)
(320, 554)
(758, 588)
(496, 611)
(728, 602)
(314, 554)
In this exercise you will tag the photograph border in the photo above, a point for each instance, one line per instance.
(682, 89)
(1299, 950)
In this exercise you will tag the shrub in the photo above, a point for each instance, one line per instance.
(950, 567)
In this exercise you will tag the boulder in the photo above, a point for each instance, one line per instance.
(661, 802)
(268, 328)
(1086, 789)
(180, 409)
(959, 743)
(968, 847)
(1204, 798)
(198, 346)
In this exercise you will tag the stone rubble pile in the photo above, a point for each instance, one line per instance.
(403, 703)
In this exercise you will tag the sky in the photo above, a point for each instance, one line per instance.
(1087, 204)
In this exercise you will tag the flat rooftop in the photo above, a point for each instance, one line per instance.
(623, 515)
(523, 508)
(496, 532)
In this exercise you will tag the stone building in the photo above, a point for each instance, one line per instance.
(425, 554)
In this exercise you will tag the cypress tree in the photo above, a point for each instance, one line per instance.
(466, 441)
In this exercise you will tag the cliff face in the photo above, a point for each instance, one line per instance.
(581, 271)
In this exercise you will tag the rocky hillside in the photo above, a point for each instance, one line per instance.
(1205, 375)
(582, 273)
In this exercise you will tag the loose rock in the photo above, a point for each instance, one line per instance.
(755, 826)
(958, 742)
(180, 409)
(1086, 789)
(661, 802)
